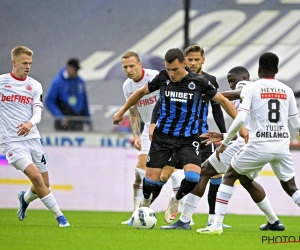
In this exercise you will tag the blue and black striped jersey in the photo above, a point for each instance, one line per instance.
(181, 102)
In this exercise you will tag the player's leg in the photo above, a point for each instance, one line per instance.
(40, 189)
(176, 177)
(192, 176)
(284, 169)
(151, 186)
(214, 185)
(40, 163)
(244, 162)
(189, 158)
(160, 152)
(30, 195)
(259, 196)
(223, 196)
(193, 198)
(215, 182)
(140, 172)
(211, 167)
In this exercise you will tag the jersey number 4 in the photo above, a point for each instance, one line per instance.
(274, 110)
(43, 160)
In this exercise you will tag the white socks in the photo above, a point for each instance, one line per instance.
(138, 187)
(266, 208)
(189, 207)
(211, 218)
(177, 177)
(223, 196)
(50, 202)
(296, 197)
(29, 196)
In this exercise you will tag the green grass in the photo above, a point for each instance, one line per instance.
(102, 230)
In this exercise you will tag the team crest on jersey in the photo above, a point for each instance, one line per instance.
(29, 87)
(167, 82)
(192, 85)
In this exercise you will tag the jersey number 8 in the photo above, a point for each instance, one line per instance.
(274, 110)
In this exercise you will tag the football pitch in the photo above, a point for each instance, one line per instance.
(102, 230)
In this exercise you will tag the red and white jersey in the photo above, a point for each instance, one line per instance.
(146, 104)
(236, 103)
(18, 96)
(270, 104)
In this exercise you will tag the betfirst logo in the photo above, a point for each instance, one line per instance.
(16, 98)
(148, 101)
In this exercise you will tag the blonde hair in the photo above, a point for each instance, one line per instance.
(20, 50)
(130, 54)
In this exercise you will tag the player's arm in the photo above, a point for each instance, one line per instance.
(25, 128)
(37, 107)
(135, 123)
(226, 104)
(232, 95)
(293, 114)
(131, 101)
(231, 111)
(154, 118)
(234, 128)
(218, 116)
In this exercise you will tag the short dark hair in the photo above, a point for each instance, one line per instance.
(173, 54)
(239, 70)
(130, 54)
(194, 48)
(74, 62)
(269, 61)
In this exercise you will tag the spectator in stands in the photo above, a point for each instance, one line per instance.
(67, 99)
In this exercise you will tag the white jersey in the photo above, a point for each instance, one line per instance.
(18, 96)
(270, 104)
(236, 103)
(146, 104)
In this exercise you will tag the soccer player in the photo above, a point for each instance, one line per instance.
(138, 77)
(194, 55)
(20, 110)
(270, 104)
(237, 77)
(177, 130)
(195, 59)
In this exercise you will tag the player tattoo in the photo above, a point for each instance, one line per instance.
(135, 121)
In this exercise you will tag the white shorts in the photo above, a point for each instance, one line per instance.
(225, 158)
(247, 162)
(31, 149)
(145, 141)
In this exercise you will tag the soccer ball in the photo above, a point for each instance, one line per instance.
(144, 218)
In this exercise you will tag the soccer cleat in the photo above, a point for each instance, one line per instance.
(128, 222)
(223, 225)
(22, 207)
(62, 221)
(172, 210)
(277, 226)
(178, 225)
(146, 203)
(210, 230)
